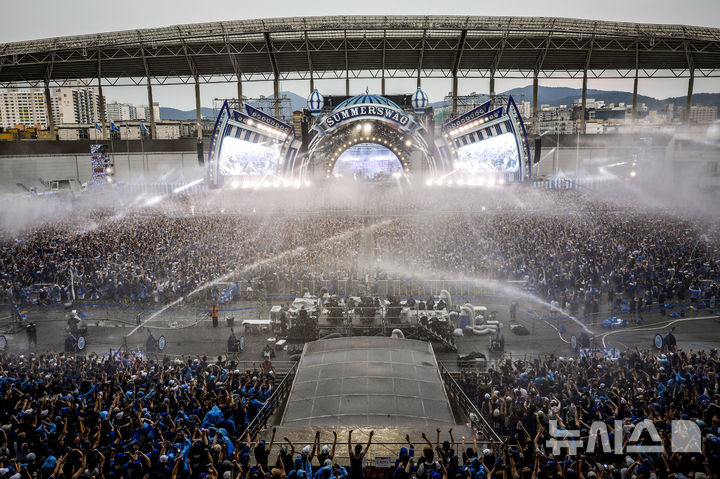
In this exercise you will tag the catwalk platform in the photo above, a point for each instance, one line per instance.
(368, 382)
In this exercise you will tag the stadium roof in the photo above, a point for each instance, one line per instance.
(366, 47)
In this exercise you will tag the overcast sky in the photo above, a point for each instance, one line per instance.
(49, 18)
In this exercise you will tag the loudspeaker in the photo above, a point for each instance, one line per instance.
(538, 148)
(200, 154)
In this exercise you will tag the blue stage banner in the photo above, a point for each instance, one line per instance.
(267, 119)
(472, 115)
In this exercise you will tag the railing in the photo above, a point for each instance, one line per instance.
(463, 290)
(276, 400)
(477, 420)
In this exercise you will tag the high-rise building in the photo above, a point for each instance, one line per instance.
(703, 114)
(26, 107)
(70, 104)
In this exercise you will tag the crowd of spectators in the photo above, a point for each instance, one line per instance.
(521, 398)
(575, 258)
(66, 417)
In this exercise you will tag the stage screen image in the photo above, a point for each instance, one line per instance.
(367, 161)
(242, 158)
(498, 154)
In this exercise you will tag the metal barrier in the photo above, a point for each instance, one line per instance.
(476, 418)
(277, 399)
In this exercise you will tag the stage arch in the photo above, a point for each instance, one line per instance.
(365, 119)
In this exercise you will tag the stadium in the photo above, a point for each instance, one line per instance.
(377, 283)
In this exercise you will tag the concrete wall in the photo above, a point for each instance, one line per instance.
(29, 170)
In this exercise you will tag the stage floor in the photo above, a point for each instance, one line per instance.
(368, 382)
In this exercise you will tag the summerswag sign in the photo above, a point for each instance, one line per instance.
(355, 112)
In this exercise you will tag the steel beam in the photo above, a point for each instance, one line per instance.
(584, 86)
(309, 61)
(493, 69)
(420, 58)
(536, 71)
(535, 103)
(153, 126)
(635, 83)
(103, 115)
(456, 66)
(196, 76)
(276, 73)
(48, 97)
(691, 81)
(48, 109)
(198, 110)
(236, 71)
(688, 104)
(347, 65)
(382, 82)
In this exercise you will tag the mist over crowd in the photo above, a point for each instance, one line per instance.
(569, 246)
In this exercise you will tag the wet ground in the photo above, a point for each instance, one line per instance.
(189, 332)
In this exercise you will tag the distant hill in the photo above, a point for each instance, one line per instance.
(296, 101)
(552, 96)
(555, 96)
(167, 113)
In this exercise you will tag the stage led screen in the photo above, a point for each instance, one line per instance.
(367, 161)
(243, 158)
(498, 154)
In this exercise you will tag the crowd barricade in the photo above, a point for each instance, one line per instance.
(477, 420)
(460, 290)
(274, 402)
(569, 183)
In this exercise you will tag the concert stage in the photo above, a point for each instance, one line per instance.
(368, 382)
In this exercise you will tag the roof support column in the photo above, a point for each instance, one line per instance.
(236, 70)
(691, 80)
(688, 104)
(347, 67)
(151, 109)
(153, 126)
(276, 73)
(454, 95)
(48, 109)
(309, 60)
(635, 83)
(382, 82)
(102, 98)
(198, 110)
(48, 98)
(492, 89)
(420, 59)
(584, 88)
(535, 103)
(583, 102)
(536, 73)
(493, 69)
(455, 67)
(276, 93)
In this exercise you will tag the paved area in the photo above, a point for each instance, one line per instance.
(188, 332)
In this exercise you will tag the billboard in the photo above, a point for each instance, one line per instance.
(239, 157)
(498, 154)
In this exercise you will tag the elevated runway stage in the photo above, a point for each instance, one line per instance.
(374, 382)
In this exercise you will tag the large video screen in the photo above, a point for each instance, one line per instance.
(243, 158)
(367, 161)
(498, 154)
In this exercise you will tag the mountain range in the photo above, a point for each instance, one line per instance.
(553, 96)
